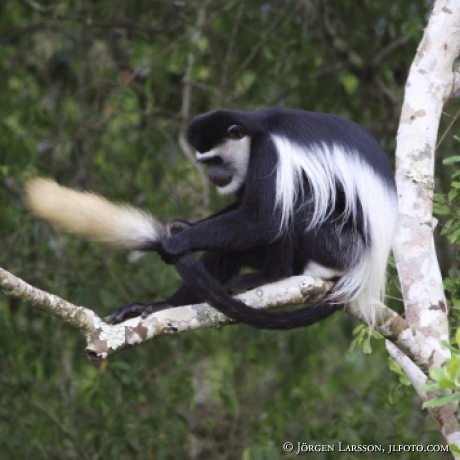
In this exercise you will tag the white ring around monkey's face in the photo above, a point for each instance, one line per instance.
(234, 154)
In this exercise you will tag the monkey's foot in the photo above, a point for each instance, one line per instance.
(135, 309)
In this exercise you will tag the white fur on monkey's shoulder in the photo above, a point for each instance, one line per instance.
(92, 216)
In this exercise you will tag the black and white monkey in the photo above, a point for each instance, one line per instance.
(314, 193)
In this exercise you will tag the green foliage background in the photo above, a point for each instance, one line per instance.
(92, 94)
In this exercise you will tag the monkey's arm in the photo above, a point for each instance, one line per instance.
(237, 230)
(231, 207)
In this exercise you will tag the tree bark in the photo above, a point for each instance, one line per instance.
(431, 82)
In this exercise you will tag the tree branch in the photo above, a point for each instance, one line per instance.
(104, 339)
(79, 317)
(415, 375)
(185, 109)
(444, 416)
(430, 83)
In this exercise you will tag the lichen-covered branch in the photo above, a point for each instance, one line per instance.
(429, 85)
(107, 339)
(432, 80)
(79, 317)
(408, 340)
(444, 416)
(413, 372)
(104, 339)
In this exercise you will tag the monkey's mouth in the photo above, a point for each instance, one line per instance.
(220, 175)
(218, 172)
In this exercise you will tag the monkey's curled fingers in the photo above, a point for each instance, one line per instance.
(135, 309)
(170, 252)
(176, 226)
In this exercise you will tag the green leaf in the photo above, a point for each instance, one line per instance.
(451, 160)
(446, 384)
(202, 44)
(432, 387)
(395, 367)
(367, 347)
(350, 83)
(440, 209)
(441, 400)
(454, 236)
(457, 336)
(452, 195)
(438, 373)
(449, 223)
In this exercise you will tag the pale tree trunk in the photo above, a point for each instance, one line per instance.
(432, 81)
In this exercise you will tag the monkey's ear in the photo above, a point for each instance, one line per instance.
(236, 132)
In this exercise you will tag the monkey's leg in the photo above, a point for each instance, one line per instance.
(135, 309)
(249, 281)
(277, 265)
(222, 265)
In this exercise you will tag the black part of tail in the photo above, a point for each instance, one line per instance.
(194, 273)
(149, 246)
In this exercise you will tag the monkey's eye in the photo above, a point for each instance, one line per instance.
(236, 132)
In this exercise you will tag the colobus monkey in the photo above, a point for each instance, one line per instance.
(314, 193)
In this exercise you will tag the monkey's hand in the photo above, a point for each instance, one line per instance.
(176, 226)
(172, 249)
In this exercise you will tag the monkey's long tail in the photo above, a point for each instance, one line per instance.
(92, 216)
(194, 273)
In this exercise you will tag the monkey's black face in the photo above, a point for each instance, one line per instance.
(227, 163)
(218, 172)
(223, 144)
